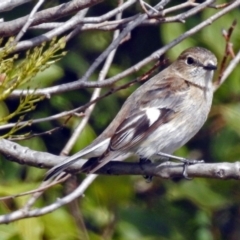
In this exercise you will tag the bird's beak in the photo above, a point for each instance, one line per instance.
(210, 66)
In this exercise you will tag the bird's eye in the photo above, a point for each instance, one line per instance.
(190, 61)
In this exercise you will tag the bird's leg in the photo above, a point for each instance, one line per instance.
(181, 159)
(186, 162)
(142, 161)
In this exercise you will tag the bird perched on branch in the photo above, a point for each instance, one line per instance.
(158, 118)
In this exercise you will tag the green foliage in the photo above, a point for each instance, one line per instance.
(15, 73)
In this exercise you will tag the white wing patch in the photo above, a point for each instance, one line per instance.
(152, 115)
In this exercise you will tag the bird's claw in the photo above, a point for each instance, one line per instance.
(188, 162)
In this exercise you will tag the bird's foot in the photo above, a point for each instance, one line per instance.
(186, 162)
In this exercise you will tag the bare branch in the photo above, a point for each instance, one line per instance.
(23, 155)
(19, 214)
(29, 21)
(7, 5)
(81, 83)
(232, 65)
(26, 156)
(12, 27)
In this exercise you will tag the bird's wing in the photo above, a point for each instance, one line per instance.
(156, 106)
(138, 126)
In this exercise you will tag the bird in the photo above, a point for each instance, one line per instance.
(160, 116)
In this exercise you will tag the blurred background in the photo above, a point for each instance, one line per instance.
(127, 207)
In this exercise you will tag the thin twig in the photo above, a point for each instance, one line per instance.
(19, 214)
(29, 21)
(232, 65)
(228, 49)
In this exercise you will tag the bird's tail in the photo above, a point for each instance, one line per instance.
(87, 152)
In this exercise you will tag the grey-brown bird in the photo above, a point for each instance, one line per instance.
(159, 117)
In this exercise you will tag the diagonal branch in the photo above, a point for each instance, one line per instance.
(12, 27)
